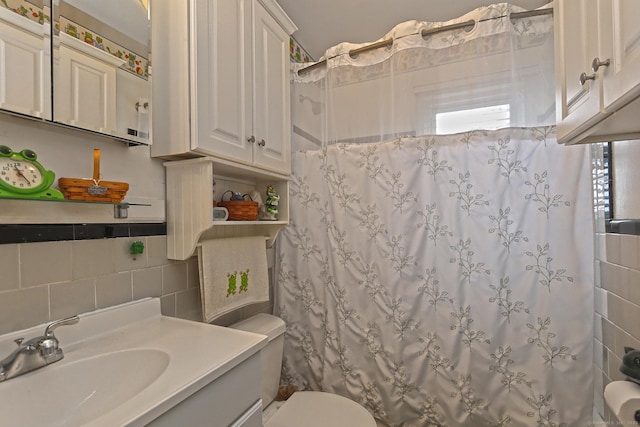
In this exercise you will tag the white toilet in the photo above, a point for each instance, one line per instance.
(304, 408)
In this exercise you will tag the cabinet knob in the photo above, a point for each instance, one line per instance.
(251, 139)
(584, 77)
(596, 64)
(262, 143)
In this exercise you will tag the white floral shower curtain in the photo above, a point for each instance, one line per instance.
(440, 280)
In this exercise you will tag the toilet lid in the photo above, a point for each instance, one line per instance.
(318, 409)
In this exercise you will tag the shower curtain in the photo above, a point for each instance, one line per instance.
(440, 276)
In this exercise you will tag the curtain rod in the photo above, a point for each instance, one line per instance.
(428, 32)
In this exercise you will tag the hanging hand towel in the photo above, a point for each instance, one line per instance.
(233, 273)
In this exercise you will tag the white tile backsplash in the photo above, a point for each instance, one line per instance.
(114, 289)
(629, 251)
(70, 298)
(93, 258)
(22, 308)
(600, 301)
(147, 283)
(47, 281)
(42, 282)
(617, 307)
(193, 273)
(10, 267)
(174, 278)
(168, 305)
(44, 263)
(613, 248)
(156, 249)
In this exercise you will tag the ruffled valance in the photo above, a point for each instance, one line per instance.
(484, 22)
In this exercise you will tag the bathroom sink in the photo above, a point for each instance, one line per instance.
(79, 391)
(127, 366)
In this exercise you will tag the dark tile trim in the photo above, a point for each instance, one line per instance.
(29, 233)
(623, 226)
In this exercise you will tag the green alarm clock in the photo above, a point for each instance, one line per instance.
(23, 177)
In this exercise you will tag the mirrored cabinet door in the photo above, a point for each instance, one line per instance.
(25, 58)
(101, 79)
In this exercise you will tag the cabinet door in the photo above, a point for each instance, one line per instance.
(621, 44)
(24, 67)
(251, 418)
(221, 93)
(85, 91)
(272, 122)
(576, 23)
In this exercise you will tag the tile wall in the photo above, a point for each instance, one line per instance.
(45, 281)
(617, 308)
(617, 300)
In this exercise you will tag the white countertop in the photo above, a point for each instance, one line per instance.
(198, 354)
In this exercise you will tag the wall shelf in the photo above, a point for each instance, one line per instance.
(40, 211)
(124, 202)
(190, 196)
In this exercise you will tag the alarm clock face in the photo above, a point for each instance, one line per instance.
(21, 174)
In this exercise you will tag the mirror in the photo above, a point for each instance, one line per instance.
(101, 79)
(25, 59)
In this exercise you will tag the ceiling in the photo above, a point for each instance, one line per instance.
(325, 23)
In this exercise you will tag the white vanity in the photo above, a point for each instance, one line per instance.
(130, 366)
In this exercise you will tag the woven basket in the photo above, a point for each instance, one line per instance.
(93, 190)
(241, 210)
(87, 190)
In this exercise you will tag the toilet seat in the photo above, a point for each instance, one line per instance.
(319, 409)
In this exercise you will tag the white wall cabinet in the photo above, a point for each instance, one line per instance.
(620, 42)
(25, 71)
(221, 82)
(597, 70)
(85, 89)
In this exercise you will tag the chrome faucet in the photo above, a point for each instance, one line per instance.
(36, 352)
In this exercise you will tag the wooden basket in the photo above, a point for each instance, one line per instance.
(241, 210)
(87, 190)
(93, 190)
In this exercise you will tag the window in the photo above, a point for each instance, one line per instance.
(456, 106)
(608, 193)
(602, 181)
(489, 118)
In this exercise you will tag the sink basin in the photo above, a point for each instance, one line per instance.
(76, 392)
(130, 366)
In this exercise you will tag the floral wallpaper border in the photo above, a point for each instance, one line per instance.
(28, 10)
(135, 64)
(297, 52)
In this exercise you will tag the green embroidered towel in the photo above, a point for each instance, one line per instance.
(233, 273)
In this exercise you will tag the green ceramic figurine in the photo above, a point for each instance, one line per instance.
(271, 204)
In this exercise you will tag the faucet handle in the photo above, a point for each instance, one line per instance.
(62, 322)
(48, 344)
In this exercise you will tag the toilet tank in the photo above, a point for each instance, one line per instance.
(271, 355)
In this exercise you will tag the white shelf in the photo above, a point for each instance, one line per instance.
(190, 195)
(231, 223)
(91, 50)
(49, 211)
(23, 23)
